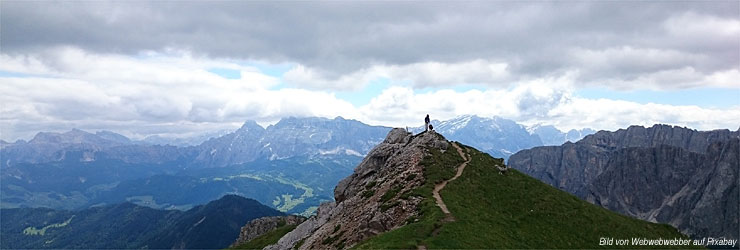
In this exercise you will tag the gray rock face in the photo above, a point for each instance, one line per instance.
(288, 138)
(551, 136)
(665, 174)
(358, 212)
(305, 229)
(260, 226)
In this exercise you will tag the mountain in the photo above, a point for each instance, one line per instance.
(183, 141)
(265, 228)
(80, 146)
(290, 137)
(497, 136)
(551, 136)
(292, 166)
(665, 174)
(423, 191)
(214, 225)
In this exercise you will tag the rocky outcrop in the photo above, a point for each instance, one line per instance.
(260, 226)
(369, 201)
(666, 174)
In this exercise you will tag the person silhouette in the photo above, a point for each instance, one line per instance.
(426, 123)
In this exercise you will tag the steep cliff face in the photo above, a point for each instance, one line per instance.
(261, 226)
(369, 202)
(673, 175)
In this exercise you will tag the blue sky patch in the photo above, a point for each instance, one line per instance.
(702, 97)
(226, 73)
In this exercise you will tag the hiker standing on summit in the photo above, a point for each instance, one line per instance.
(426, 123)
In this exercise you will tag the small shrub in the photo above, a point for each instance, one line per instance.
(368, 193)
(331, 239)
(340, 245)
(387, 206)
(390, 194)
(410, 177)
(299, 244)
(411, 219)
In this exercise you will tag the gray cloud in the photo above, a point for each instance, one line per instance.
(338, 38)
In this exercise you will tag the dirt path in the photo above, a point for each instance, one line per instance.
(440, 186)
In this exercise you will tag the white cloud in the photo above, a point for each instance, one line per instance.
(614, 114)
(173, 93)
(628, 59)
(419, 75)
(629, 68)
(690, 25)
(69, 88)
(545, 101)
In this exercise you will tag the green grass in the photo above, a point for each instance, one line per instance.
(368, 193)
(508, 211)
(269, 238)
(391, 193)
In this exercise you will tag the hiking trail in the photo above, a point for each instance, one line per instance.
(440, 186)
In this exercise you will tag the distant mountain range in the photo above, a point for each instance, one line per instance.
(501, 137)
(292, 165)
(551, 136)
(289, 138)
(183, 141)
(666, 174)
(123, 226)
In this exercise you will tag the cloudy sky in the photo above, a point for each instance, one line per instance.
(183, 68)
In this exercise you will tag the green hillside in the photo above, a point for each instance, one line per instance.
(268, 238)
(129, 226)
(512, 210)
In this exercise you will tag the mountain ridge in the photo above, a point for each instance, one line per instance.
(126, 225)
(661, 174)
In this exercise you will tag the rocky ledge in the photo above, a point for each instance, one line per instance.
(260, 226)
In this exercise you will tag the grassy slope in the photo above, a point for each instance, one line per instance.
(508, 211)
(269, 238)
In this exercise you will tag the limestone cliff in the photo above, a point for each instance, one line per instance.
(665, 174)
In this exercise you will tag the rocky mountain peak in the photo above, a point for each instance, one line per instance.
(74, 136)
(369, 202)
(250, 126)
(112, 136)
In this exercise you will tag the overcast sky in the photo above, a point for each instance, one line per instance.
(183, 68)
